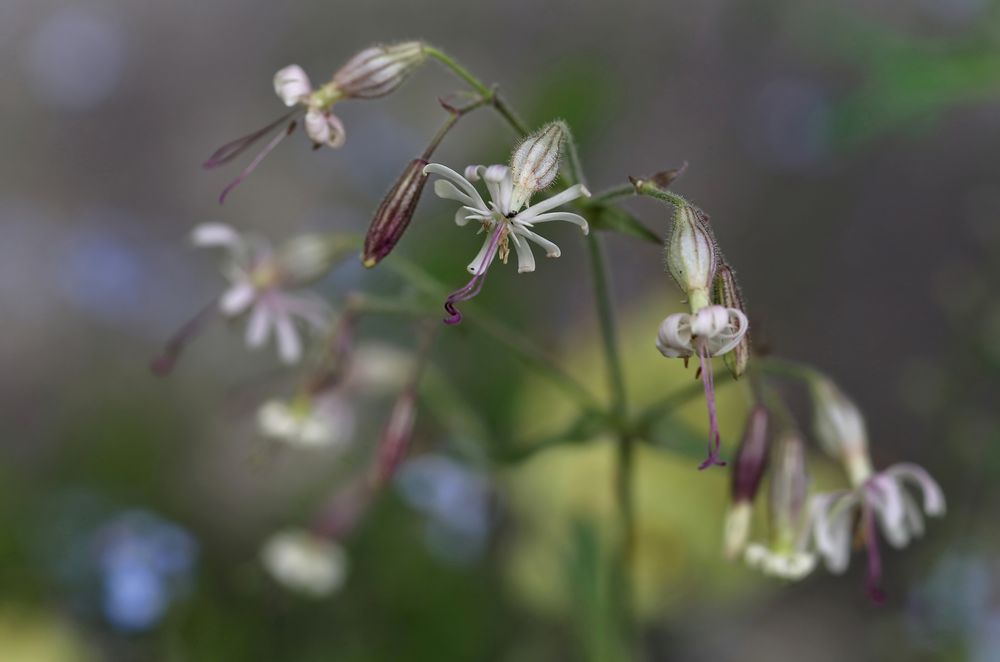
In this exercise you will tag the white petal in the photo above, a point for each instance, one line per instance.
(885, 496)
(673, 338)
(324, 128)
(259, 326)
(458, 180)
(275, 420)
(237, 298)
(289, 345)
(484, 258)
(215, 234)
(292, 84)
(551, 250)
(569, 217)
(525, 258)
(730, 337)
(934, 502)
(832, 516)
(445, 189)
(572, 193)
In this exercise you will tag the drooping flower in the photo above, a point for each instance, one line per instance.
(305, 562)
(501, 221)
(260, 279)
(372, 73)
(879, 504)
(877, 501)
(711, 331)
(788, 553)
(751, 464)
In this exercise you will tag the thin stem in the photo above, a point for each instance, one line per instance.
(613, 192)
(648, 188)
(626, 441)
(454, 114)
(789, 369)
(479, 86)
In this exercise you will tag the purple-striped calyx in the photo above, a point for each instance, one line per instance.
(394, 213)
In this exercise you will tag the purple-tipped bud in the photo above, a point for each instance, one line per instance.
(377, 71)
(691, 254)
(727, 293)
(394, 214)
(396, 437)
(752, 456)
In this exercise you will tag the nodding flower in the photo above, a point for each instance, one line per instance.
(502, 220)
(372, 73)
(877, 501)
(711, 331)
(260, 282)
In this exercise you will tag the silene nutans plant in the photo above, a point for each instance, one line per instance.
(777, 522)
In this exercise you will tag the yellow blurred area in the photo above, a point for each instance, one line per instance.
(33, 636)
(679, 509)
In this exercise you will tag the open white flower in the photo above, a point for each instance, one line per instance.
(882, 500)
(501, 221)
(305, 562)
(259, 278)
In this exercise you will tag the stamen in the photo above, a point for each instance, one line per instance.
(472, 288)
(714, 441)
(232, 149)
(257, 159)
(874, 580)
(165, 362)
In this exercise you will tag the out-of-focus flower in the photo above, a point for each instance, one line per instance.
(145, 563)
(748, 471)
(456, 501)
(711, 331)
(321, 421)
(503, 220)
(260, 279)
(788, 554)
(372, 73)
(304, 562)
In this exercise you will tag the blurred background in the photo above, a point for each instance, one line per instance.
(846, 152)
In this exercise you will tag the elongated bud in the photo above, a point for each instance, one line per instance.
(377, 71)
(749, 470)
(840, 429)
(727, 293)
(307, 257)
(789, 485)
(397, 436)
(535, 163)
(394, 213)
(691, 254)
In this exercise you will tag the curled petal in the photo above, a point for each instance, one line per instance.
(710, 321)
(934, 502)
(525, 258)
(551, 250)
(674, 337)
(324, 128)
(292, 84)
(885, 497)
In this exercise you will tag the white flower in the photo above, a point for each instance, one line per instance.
(305, 562)
(292, 85)
(790, 564)
(719, 329)
(258, 281)
(896, 511)
(501, 220)
(308, 422)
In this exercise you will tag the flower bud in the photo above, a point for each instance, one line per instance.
(749, 470)
(691, 254)
(789, 483)
(535, 163)
(394, 213)
(840, 429)
(307, 257)
(727, 293)
(377, 71)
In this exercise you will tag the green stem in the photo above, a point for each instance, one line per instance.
(479, 86)
(626, 441)
(789, 369)
(613, 192)
(647, 188)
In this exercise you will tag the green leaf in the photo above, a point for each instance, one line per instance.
(615, 219)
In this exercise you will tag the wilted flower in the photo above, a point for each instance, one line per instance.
(372, 73)
(260, 278)
(503, 221)
(711, 331)
(881, 499)
(305, 562)
(787, 555)
(318, 421)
